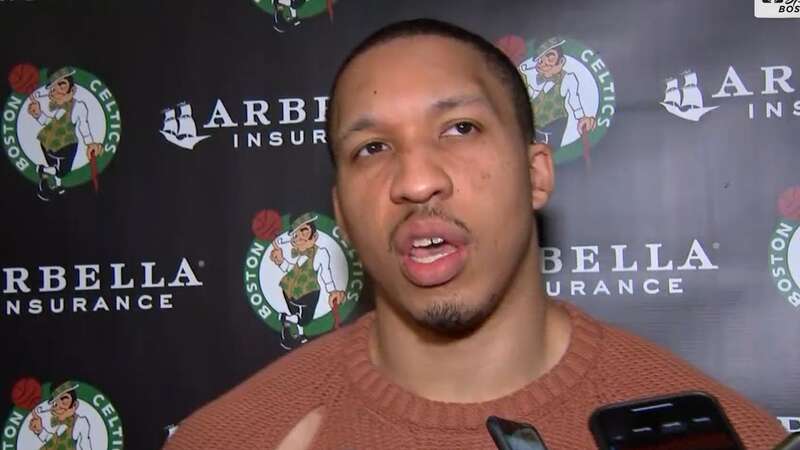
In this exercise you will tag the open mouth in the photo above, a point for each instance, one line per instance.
(432, 251)
(428, 250)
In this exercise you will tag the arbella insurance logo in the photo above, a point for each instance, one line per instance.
(249, 124)
(94, 288)
(289, 14)
(69, 415)
(301, 276)
(571, 89)
(624, 270)
(60, 129)
(767, 95)
(784, 247)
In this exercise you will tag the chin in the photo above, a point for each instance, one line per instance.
(455, 317)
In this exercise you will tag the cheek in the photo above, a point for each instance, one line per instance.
(497, 179)
(367, 212)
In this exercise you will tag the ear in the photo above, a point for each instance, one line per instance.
(337, 213)
(540, 167)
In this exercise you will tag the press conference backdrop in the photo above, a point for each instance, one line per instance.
(159, 152)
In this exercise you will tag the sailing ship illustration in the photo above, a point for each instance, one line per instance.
(686, 102)
(179, 127)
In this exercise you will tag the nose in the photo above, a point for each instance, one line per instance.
(420, 176)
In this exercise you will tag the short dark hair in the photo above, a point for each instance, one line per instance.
(498, 64)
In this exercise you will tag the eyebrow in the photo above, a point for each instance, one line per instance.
(449, 103)
(363, 123)
(442, 105)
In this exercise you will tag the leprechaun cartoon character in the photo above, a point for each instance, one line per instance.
(555, 95)
(63, 123)
(308, 271)
(66, 430)
(286, 13)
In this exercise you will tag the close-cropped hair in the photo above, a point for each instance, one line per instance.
(497, 62)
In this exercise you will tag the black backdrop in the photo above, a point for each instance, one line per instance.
(648, 185)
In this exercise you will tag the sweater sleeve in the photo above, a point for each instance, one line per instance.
(260, 412)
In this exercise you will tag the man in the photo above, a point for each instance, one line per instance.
(308, 264)
(67, 430)
(553, 90)
(68, 118)
(437, 183)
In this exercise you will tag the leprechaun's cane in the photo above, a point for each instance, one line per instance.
(586, 146)
(95, 177)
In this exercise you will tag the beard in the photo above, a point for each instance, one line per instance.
(455, 320)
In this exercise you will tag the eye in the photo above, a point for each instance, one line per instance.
(371, 148)
(462, 128)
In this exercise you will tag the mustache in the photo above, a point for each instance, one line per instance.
(426, 211)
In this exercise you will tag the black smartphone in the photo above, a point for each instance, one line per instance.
(510, 435)
(792, 442)
(687, 421)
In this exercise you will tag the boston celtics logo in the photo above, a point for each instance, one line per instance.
(301, 277)
(288, 14)
(571, 90)
(784, 247)
(59, 131)
(64, 416)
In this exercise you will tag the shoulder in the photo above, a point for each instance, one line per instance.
(632, 367)
(570, 78)
(80, 107)
(261, 410)
(81, 424)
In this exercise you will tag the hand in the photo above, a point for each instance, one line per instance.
(34, 108)
(586, 124)
(335, 298)
(276, 255)
(35, 424)
(94, 150)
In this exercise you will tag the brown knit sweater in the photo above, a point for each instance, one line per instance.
(364, 410)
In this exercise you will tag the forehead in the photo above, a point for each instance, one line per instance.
(404, 69)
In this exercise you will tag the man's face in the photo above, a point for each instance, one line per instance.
(63, 407)
(550, 64)
(303, 238)
(61, 92)
(433, 187)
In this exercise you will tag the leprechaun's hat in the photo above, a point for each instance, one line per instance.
(548, 45)
(302, 220)
(59, 74)
(63, 388)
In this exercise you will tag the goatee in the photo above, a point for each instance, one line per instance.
(454, 320)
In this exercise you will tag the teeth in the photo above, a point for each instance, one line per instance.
(421, 242)
(426, 242)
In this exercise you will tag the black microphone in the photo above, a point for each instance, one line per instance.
(686, 421)
(510, 435)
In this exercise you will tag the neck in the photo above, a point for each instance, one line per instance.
(523, 338)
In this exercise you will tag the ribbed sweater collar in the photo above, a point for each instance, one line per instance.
(542, 395)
